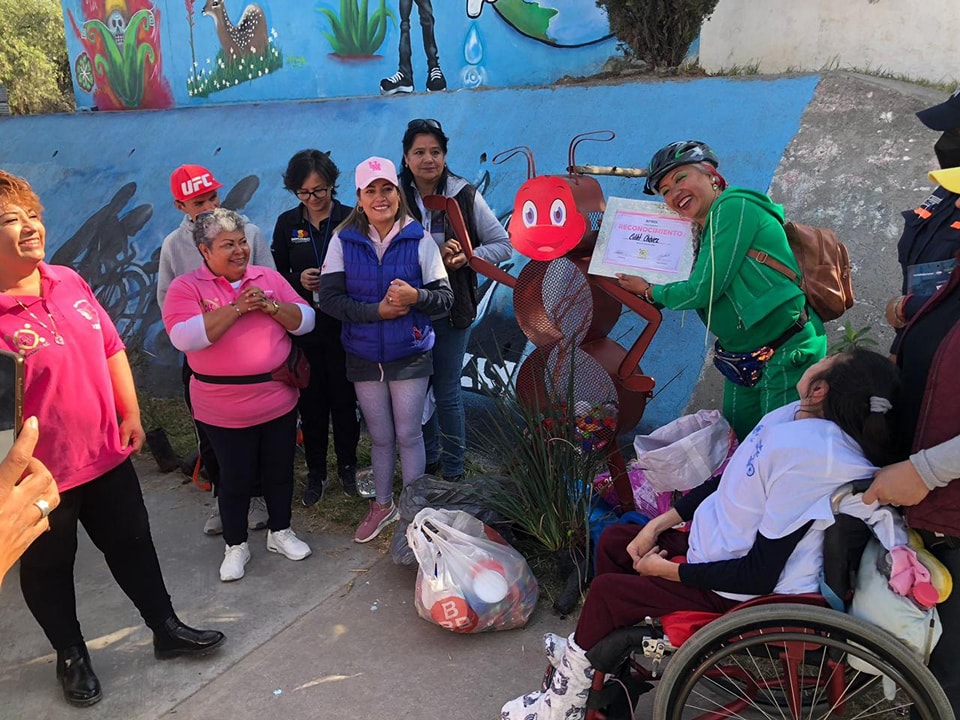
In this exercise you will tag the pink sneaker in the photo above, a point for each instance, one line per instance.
(378, 517)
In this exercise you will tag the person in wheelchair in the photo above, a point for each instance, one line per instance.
(756, 530)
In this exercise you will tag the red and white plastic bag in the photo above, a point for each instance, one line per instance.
(470, 580)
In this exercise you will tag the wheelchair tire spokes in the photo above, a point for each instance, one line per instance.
(795, 662)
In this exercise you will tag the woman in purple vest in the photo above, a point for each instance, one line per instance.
(383, 278)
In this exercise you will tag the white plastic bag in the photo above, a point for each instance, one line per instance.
(470, 579)
(876, 603)
(684, 453)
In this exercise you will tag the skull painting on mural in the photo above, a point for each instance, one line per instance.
(121, 59)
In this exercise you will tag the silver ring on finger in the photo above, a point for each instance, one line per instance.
(43, 506)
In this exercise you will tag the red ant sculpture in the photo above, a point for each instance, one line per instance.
(567, 313)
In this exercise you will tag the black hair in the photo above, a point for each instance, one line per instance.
(415, 128)
(309, 161)
(858, 376)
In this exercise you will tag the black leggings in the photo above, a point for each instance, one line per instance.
(328, 398)
(112, 512)
(257, 455)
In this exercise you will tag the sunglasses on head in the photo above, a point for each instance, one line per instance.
(423, 123)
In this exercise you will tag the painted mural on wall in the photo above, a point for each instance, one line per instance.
(248, 50)
(102, 252)
(108, 203)
(119, 64)
(132, 54)
(561, 23)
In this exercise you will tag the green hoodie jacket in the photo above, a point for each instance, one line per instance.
(744, 303)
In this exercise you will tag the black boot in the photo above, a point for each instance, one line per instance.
(76, 676)
(173, 638)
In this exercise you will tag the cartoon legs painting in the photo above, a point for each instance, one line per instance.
(402, 80)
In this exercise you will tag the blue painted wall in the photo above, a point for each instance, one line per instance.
(507, 43)
(104, 178)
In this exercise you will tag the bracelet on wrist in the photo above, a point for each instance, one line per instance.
(647, 294)
(276, 309)
(237, 308)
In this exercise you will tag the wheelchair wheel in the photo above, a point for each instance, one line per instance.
(793, 661)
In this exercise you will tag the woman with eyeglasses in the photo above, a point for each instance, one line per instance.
(425, 172)
(384, 279)
(300, 241)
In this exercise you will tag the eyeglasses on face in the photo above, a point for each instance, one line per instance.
(318, 193)
(423, 123)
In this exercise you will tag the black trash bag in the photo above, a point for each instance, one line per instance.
(430, 491)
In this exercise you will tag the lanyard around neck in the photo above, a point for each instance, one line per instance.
(325, 238)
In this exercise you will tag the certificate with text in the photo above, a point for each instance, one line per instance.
(645, 238)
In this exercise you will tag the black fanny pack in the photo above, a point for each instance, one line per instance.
(746, 369)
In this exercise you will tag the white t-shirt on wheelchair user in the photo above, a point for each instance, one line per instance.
(780, 477)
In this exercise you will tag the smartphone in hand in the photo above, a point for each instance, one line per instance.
(11, 399)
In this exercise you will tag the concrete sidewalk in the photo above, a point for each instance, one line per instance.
(335, 635)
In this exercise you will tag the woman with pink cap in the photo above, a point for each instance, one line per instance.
(383, 278)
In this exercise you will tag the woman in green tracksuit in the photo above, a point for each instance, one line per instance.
(766, 334)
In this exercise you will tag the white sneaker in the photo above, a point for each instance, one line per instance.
(287, 544)
(235, 559)
(257, 515)
(213, 525)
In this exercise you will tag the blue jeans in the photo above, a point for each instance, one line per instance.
(444, 435)
(392, 411)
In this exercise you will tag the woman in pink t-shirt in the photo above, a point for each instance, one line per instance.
(79, 386)
(232, 320)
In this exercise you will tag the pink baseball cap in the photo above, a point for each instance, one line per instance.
(376, 168)
(189, 181)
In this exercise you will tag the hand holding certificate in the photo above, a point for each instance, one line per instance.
(639, 237)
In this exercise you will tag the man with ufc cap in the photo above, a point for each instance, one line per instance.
(195, 190)
(931, 232)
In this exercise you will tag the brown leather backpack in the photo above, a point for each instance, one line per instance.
(824, 268)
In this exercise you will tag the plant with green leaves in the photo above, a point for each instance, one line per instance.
(852, 339)
(549, 459)
(355, 32)
(124, 68)
(659, 32)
